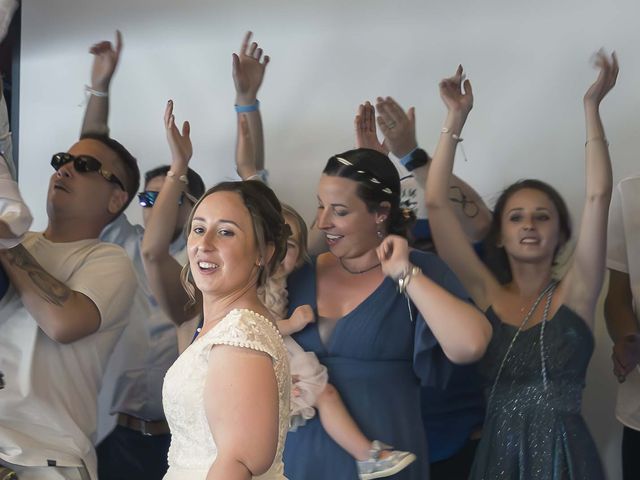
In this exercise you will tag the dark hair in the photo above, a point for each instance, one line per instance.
(132, 180)
(268, 225)
(495, 256)
(195, 187)
(378, 181)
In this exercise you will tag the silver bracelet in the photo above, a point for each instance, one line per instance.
(405, 278)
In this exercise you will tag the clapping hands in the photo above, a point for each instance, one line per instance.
(398, 127)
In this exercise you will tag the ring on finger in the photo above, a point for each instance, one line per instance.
(391, 124)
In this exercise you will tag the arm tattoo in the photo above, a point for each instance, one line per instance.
(49, 288)
(469, 207)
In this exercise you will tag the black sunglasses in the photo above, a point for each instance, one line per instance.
(85, 164)
(147, 198)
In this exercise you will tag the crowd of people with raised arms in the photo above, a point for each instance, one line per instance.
(411, 332)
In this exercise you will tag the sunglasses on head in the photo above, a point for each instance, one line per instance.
(85, 164)
(148, 197)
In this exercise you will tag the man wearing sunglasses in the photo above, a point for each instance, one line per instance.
(130, 402)
(64, 314)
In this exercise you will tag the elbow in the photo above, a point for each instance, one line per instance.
(260, 461)
(61, 335)
(600, 196)
(473, 348)
(432, 202)
(150, 254)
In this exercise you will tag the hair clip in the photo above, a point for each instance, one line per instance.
(345, 161)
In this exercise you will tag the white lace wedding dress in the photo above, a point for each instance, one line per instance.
(193, 450)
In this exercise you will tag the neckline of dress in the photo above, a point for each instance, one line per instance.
(533, 327)
(238, 310)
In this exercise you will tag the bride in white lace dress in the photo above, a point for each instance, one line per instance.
(226, 398)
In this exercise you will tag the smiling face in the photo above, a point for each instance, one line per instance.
(223, 253)
(530, 227)
(87, 196)
(349, 227)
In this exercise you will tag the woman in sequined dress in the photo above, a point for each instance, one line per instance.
(542, 341)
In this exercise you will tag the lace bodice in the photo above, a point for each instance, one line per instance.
(192, 446)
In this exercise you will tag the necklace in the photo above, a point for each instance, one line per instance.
(357, 272)
(548, 292)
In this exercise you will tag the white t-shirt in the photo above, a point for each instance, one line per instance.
(13, 210)
(48, 407)
(623, 255)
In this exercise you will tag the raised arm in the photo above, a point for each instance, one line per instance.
(245, 431)
(448, 234)
(163, 271)
(461, 329)
(584, 278)
(105, 61)
(249, 66)
(399, 129)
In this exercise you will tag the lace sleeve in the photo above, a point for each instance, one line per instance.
(245, 329)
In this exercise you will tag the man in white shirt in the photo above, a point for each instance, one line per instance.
(621, 313)
(64, 313)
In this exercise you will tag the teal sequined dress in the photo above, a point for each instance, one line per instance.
(534, 428)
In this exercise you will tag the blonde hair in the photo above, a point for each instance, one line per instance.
(273, 293)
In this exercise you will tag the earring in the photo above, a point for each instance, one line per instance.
(379, 231)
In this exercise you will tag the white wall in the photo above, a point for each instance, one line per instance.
(529, 63)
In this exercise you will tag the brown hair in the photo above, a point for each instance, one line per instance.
(268, 227)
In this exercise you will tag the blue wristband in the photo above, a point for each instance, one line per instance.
(407, 158)
(248, 108)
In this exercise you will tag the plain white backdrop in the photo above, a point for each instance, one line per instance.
(528, 62)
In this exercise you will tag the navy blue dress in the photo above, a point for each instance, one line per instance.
(377, 359)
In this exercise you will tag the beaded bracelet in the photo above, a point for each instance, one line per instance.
(95, 93)
(182, 178)
(455, 137)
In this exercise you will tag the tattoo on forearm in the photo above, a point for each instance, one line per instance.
(469, 207)
(49, 288)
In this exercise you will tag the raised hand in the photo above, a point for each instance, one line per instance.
(179, 142)
(606, 78)
(393, 254)
(398, 127)
(248, 71)
(365, 127)
(105, 61)
(453, 96)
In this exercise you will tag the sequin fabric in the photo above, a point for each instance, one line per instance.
(192, 450)
(533, 432)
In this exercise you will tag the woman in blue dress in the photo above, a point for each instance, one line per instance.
(381, 312)
(536, 362)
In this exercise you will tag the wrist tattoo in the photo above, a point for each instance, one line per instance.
(469, 207)
(47, 287)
